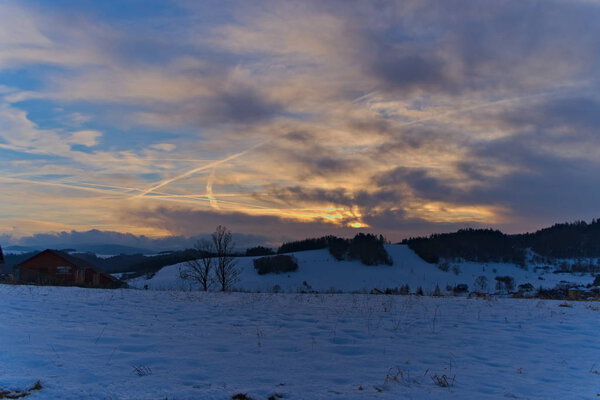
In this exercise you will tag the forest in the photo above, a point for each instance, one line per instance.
(575, 240)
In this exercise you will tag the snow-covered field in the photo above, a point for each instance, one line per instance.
(87, 344)
(323, 273)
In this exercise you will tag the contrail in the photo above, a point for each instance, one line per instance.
(94, 188)
(209, 192)
(196, 170)
(480, 106)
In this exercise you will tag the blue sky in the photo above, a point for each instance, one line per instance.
(288, 119)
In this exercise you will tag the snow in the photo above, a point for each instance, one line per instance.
(323, 273)
(87, 343)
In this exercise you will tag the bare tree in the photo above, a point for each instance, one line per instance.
(226, 271)
(201, 269)
(481, 283)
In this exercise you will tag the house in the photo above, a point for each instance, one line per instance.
(53, 267)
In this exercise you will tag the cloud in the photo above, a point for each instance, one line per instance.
(86, 138)
(163, 146)
(402, 114)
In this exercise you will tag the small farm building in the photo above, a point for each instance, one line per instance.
(53, 267)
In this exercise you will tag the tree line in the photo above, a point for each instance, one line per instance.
(365, 247)
(566, 240)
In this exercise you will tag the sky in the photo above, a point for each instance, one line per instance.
(289, 119)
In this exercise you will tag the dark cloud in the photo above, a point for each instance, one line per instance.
(238, 105)
(420, 180)
(291, 195)
(336, 196)
(579, 114)
(187, 221)
(408, 71)
(398, 225)
(457, 46)
(242, 105)
(302, 137)
(538, 189)
(306, 159)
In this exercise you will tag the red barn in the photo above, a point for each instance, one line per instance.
(53, 267)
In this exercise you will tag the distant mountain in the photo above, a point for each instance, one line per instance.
(20, 249)
(97, 248)
(137, 263)
(112, 249)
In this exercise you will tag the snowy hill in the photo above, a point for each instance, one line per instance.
(319, 271)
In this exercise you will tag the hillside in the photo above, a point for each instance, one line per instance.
(323, 273)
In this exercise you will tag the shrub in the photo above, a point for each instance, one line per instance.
(506, 283)
(526, 287)
(460, 288)
(275, 264)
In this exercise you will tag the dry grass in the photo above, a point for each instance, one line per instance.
(142, 370)
(443, 380)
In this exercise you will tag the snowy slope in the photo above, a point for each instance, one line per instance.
(87, 344)
(323, 273)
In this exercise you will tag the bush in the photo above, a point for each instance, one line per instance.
(460, 288)
(526, 287)
(505, 283)
(276, 264)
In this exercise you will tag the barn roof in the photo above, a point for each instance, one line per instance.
(77, 262)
